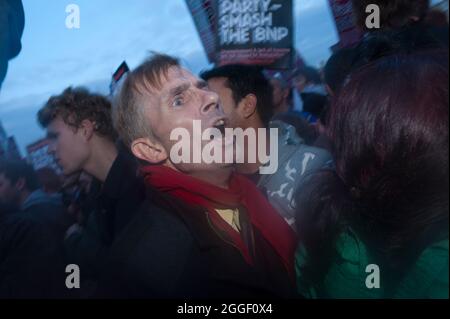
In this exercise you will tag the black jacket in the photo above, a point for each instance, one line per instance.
(31, 252)
(112, 207)
(171, 250)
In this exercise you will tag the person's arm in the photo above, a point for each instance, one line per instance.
(29, 260)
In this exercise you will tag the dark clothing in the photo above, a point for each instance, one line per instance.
(314, 104)
(173, 250)
(31, 252)
(112, 208)
(122, 194)
(49, 210)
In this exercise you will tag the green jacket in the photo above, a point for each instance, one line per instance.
(428, 278)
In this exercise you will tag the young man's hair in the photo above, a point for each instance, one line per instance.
(129, 105)
(393, 13)
(244, 80)
(14, 170)
(74, 106)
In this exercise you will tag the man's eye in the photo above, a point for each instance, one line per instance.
(178, 101)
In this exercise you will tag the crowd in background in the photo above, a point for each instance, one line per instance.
(362, 179)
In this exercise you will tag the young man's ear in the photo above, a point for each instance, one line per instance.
(87, 128)
(247, 106)
(147, 150)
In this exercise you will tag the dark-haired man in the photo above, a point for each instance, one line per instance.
(246, 95)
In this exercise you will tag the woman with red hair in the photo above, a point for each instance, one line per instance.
(377, 226)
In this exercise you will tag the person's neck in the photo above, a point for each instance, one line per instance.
(103, 155)
(247, 168)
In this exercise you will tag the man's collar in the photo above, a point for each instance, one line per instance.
(122, 170)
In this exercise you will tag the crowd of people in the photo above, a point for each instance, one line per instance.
(362, 180)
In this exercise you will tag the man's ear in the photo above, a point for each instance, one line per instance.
(87, 128)
(247, 106)
(147, 150)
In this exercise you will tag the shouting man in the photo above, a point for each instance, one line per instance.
(211, 234)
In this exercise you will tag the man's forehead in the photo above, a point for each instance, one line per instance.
(56, 123)
(175, 77)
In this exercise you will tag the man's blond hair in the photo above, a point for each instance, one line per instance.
(129, 111)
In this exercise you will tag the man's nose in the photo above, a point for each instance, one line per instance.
(210, 102)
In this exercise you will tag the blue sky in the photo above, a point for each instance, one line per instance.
(54, 57)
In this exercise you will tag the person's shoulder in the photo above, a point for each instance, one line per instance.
(22, 228)
(18, 221)
(428, 277)
(315, 150)
(346, 275)
(123, 178)
(307, 155)
(151, 252)
(157, 224)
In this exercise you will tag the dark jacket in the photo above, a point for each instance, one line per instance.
(171, 250)
(31, 252)
(112, 207)
(48, 209)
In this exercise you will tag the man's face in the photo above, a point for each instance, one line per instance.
(9, 193)
(182, 99)
(68, 145)
(219, 86)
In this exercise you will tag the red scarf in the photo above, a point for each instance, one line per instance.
(241, 192)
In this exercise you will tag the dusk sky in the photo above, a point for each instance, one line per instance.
(54, 57)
